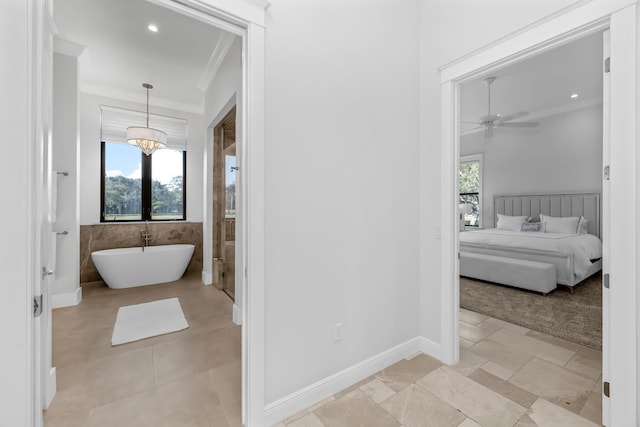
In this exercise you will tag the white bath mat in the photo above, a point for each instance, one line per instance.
(136, 322)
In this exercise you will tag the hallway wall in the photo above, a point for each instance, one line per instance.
(341, 179)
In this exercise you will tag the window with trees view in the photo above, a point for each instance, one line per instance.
(137, 187)
(470, 188)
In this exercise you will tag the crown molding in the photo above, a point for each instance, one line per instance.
(215, 61)
(260, 3)
(127, 96)
(66, 47)
(566, 108)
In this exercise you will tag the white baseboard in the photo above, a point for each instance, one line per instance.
(237, 315)
(207, 278)
(317, 392)
(51, 387)
(67, 299)
(430, 348)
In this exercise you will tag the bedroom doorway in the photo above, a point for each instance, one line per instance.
(535, 110)
(565, 27)
(512, 268)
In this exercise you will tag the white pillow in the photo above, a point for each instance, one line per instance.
(583, 225)
(564, 225)
(513, 223)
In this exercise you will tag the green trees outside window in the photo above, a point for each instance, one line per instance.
(469, 183)
(136, 187)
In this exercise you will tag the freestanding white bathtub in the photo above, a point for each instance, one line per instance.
(129, 267)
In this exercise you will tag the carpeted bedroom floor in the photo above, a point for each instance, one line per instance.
(576, 318)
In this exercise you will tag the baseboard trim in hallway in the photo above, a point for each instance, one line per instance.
(320, 390)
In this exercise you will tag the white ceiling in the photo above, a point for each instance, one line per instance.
(541, 85)
(121, 53)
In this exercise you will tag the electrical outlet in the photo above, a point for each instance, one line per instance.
(337, 332)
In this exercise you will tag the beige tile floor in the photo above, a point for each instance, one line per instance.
(507, 375)
(187, 378)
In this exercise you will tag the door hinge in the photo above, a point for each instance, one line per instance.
(607, 173)
(37, 305)
(605, 280)
(246, 272)
(458, 255)
(605, 388)
(607, 65)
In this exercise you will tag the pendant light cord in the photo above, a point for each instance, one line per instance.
(147, 107)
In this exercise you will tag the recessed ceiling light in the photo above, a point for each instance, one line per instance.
(153, 28)
(574, 95)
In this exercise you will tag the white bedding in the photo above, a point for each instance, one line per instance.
(584, 247)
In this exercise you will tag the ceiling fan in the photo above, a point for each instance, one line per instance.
(491, 121)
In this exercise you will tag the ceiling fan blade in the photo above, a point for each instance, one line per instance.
(470, 130)
(513, 116)
(518, 124)
(470, 123)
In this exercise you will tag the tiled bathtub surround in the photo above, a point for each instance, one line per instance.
(108, 236)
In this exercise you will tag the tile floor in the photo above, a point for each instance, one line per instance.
(186, 378)
(507, 375)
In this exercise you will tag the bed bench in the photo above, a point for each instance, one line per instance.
(533, 275)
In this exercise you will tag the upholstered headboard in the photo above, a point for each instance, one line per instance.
(577, 204)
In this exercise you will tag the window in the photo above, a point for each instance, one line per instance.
(137, 187)
(470, 188)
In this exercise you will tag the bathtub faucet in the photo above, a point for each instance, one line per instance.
(146, 237)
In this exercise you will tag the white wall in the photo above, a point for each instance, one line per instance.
(224, 91)
(563, 154)
(448, 30)
(90, 155)
(226, 84)
(341, 185)
(65, 158)
(16, 260)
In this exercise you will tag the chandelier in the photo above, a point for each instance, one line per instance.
(148, 139)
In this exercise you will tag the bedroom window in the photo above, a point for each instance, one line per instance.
(470, 188)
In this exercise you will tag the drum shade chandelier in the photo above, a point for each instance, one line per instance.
(148, 139)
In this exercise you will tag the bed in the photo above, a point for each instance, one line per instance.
(536, 261)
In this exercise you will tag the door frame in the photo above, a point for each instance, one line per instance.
(243, 18)
(569, 23)
(247, 20)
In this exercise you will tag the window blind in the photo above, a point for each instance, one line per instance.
(114, 122)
